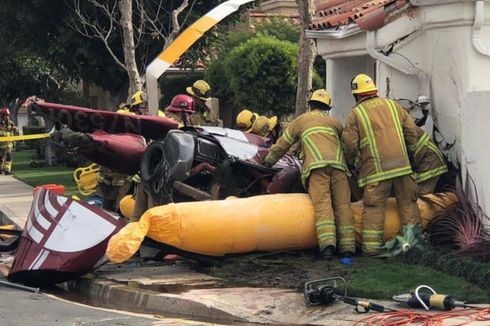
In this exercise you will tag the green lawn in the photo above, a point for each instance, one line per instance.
(367, 277)
(36, 176)
(381, 279)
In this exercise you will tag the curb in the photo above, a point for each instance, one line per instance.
(114, 295)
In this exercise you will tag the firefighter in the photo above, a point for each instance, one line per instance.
(323, 173)
(180, 109)
(139, 103)
(124, 108)
(261, 126)
(7, 128)
(429, 164)
(112, 187)
(245, 119)
(204, 116)
(378, 139)
(274, 129)
(248, 121)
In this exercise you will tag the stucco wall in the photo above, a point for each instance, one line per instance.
(475, 117)
(340, 72)
(279, 7)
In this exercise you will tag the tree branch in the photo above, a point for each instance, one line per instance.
(175, 23)
(89, 26)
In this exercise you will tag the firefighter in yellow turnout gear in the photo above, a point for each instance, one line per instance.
(7, 128)
(245, 120)
(248, 121)
(323, 173)
(112, 187)
(429, 164)
(378, 138)
(204, 116)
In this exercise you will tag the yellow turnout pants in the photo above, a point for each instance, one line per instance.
(428, 186)
(373, 215)
(5, 159)
(330, 194)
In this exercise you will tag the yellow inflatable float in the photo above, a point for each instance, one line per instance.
(238, 225)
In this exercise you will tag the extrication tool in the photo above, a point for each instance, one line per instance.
(429, 301)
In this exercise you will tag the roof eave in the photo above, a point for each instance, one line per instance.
(337, 33)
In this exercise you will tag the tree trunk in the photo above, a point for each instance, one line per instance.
(306, 56)
(135, 80)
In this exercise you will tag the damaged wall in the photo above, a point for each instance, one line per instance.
(440, 44)
(460, 85)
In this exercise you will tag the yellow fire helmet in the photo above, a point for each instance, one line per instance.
(200, 89)
(245, 119)
(322, 96)
(125, 111)
(362, 83)
(138, 98)
(260, 126)
(272, 123)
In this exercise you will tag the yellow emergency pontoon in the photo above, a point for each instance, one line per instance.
(239, 225)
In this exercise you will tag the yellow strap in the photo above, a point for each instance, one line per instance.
(24, 137)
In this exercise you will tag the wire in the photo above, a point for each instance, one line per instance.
(409, 317)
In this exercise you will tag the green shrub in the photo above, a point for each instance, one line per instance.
(280, 29)
(262, 75)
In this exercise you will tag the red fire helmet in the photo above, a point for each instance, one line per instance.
(181, 103)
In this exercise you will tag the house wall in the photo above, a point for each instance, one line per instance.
(279, 7)
(459, 76)
(459, 82)
(340, 72)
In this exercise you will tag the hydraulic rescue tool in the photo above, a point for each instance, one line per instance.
(429, 301)
(327, 291)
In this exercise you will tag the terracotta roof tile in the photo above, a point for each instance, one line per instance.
(335, 13)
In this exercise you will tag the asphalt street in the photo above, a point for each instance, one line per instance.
(21, 308)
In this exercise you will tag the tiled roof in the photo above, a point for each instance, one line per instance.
(268, 17)
(336, 13)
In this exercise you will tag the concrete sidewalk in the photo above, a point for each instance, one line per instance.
(15, 201)
(176, 290)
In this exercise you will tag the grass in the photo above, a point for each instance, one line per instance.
(378, 279)
(476, 271)
(36, 176)
(367, 277)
